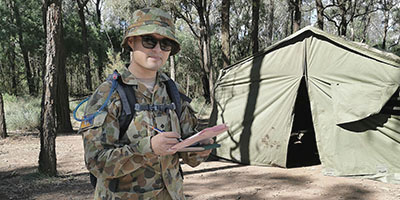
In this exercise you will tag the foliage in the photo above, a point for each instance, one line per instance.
(104, 36)
(22, 112)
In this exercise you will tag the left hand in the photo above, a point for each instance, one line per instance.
(205, 153)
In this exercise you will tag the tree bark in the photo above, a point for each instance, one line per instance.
(81, 12)
(62, 98)
(47, 155)
(297, 15)
(206, 50)
(271, 22)
(386, 13)
(254, 24)
(225, 38)
(172, 67)
(320, 14)
(3, 129)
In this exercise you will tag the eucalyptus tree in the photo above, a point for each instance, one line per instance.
(47, 155)
(225, 37)
(3, 129)
(199, 24)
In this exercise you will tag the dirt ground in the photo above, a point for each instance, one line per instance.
(211, 180)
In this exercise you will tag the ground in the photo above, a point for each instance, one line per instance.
(211, 180)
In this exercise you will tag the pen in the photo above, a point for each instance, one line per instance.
(159, 131)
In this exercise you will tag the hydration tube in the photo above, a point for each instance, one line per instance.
(89, 118)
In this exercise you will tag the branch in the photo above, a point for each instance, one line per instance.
(188, 22)
(331, 20)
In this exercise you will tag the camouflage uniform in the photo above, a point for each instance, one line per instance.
(141, 174)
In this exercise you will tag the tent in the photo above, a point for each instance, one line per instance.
(341, 97)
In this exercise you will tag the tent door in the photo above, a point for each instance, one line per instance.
(302, 148)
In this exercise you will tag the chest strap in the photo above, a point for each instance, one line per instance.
(155, 107)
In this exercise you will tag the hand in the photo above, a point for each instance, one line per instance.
(162, 142)
(205, 153)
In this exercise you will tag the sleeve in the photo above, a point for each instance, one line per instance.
(105, 156)
(189, 122)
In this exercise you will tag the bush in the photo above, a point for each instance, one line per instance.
(22, 113)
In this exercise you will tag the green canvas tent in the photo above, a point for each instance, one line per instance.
(341, 96)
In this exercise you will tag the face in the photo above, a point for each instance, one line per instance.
(146, 60)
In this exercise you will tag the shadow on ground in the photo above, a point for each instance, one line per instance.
(27, 183)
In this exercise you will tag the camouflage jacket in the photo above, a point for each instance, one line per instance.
(140, 173)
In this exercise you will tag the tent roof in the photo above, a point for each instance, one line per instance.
(360, 48)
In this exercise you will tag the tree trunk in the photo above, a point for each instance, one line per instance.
(254, 24)
(100, 49)
(206, 54)
(225, 41)
(385, 25)
(172, 67)
(10, 52)
(24, 50)
(62, 98)
(271, 22)
(187, 84)
(320, 14)
(297, 15)
(366, 20)
(81, 12)
(11, 60)
(47, 155)
(3, 129)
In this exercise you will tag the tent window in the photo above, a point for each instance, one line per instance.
(392, 107)
(302, 148)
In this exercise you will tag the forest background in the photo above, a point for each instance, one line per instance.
(213, 35)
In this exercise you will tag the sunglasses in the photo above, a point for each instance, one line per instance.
(149, 42)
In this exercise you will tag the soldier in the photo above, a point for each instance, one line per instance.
(141, 164)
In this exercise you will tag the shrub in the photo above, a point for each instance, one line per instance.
(22, 113)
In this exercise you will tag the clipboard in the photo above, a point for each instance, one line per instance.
(199, 148)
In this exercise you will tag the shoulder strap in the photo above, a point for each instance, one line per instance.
(128, 100)
(176, 96)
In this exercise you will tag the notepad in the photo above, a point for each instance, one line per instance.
(202, 135)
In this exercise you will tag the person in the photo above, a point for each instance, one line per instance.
(141, 164)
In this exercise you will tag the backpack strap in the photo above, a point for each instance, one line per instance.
(128, 100)
(176, 96)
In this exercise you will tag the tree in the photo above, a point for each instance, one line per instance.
(47, 155)
(387, 6)
(3, 129)
(295, 13)
(225, 38)
(86, 58)
(63, 117)
(100, 39)
(203, 33)
(320, 14)
(24, 49)
(254, 24)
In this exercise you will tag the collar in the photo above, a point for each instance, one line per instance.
(128, 78)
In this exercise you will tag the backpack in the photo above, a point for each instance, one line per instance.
(129, 106)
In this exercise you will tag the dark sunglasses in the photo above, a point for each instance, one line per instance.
(149, 42)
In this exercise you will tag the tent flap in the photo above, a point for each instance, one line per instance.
(356, 101)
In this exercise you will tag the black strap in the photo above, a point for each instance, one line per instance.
(128, 100)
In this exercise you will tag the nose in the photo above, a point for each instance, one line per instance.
(157, 48)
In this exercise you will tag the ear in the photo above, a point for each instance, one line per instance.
(130, 41)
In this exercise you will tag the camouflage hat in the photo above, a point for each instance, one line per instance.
(152, 20)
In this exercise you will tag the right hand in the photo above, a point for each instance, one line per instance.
(162, 143)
